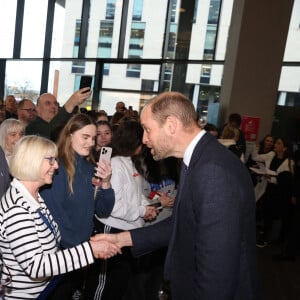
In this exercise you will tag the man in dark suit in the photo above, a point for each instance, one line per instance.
(211, 234)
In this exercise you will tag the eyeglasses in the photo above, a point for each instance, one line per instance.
(29, 109)
(51, 159)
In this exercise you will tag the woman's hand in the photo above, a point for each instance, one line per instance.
(104, 249)
(151, 213)
(103, 171)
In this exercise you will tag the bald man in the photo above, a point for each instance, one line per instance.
(50, 116)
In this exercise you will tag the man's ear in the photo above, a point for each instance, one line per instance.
(171, 125)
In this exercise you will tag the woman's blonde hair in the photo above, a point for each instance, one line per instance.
(230, 132)
(8, 126)
(28, 156)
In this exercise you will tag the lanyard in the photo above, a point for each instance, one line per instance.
(49, 225)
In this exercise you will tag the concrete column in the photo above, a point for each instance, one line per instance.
(255, 50)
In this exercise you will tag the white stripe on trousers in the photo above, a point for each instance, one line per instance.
(102, 274)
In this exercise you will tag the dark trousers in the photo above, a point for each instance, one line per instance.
(109, 279)
(147, 279)
(68, 285)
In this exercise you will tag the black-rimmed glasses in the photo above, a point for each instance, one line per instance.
(28, 109)
(51, 159)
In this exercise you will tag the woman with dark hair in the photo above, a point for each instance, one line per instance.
(265, 146)
(104, 136)
(131, 207)
(275, 185)
(71, 198)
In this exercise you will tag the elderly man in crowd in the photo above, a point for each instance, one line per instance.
(50, 116)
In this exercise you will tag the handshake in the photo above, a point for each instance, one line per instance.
(107, 245)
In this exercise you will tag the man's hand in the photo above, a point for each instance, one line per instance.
(165, 200)
(77, 99)
(104, 249)
(122, 239)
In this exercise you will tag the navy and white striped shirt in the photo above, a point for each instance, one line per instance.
(29, 247)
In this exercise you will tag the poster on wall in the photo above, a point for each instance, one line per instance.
(250, 127)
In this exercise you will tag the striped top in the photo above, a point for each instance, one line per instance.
(29, 246)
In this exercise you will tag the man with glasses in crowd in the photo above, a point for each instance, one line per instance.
(26, 112)
(50, 116)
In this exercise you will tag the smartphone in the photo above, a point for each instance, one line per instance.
(156, 205)
(85, 81)
(105, 153)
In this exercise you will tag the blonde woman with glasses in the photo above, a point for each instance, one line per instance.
(29, 236)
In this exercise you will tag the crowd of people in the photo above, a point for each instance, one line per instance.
(274, 169)
(173, 207)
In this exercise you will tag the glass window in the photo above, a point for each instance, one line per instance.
(105, 42)
(223, 29)
(104, 28)
(289, 84)
(173, 11)
(64, 81)
(34, 26)
(292, 47)
(137, 10)
(146, 36)
(214, 10)
(117, 78)
(210, 40)
(110, 9)
(58, 32)
(23, 79)
(69, 23)
(136, 42)
(7, 27)
(136, 45)
(108, 100)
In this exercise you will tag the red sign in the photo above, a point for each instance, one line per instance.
(250, 126)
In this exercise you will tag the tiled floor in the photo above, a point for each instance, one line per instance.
(280, 280)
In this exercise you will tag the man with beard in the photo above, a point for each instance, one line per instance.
(211, 234)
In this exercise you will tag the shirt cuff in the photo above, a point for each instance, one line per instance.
(142, 211)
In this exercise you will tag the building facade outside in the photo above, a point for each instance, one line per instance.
(142, 47)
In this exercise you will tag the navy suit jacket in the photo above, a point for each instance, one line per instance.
(211, 234)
